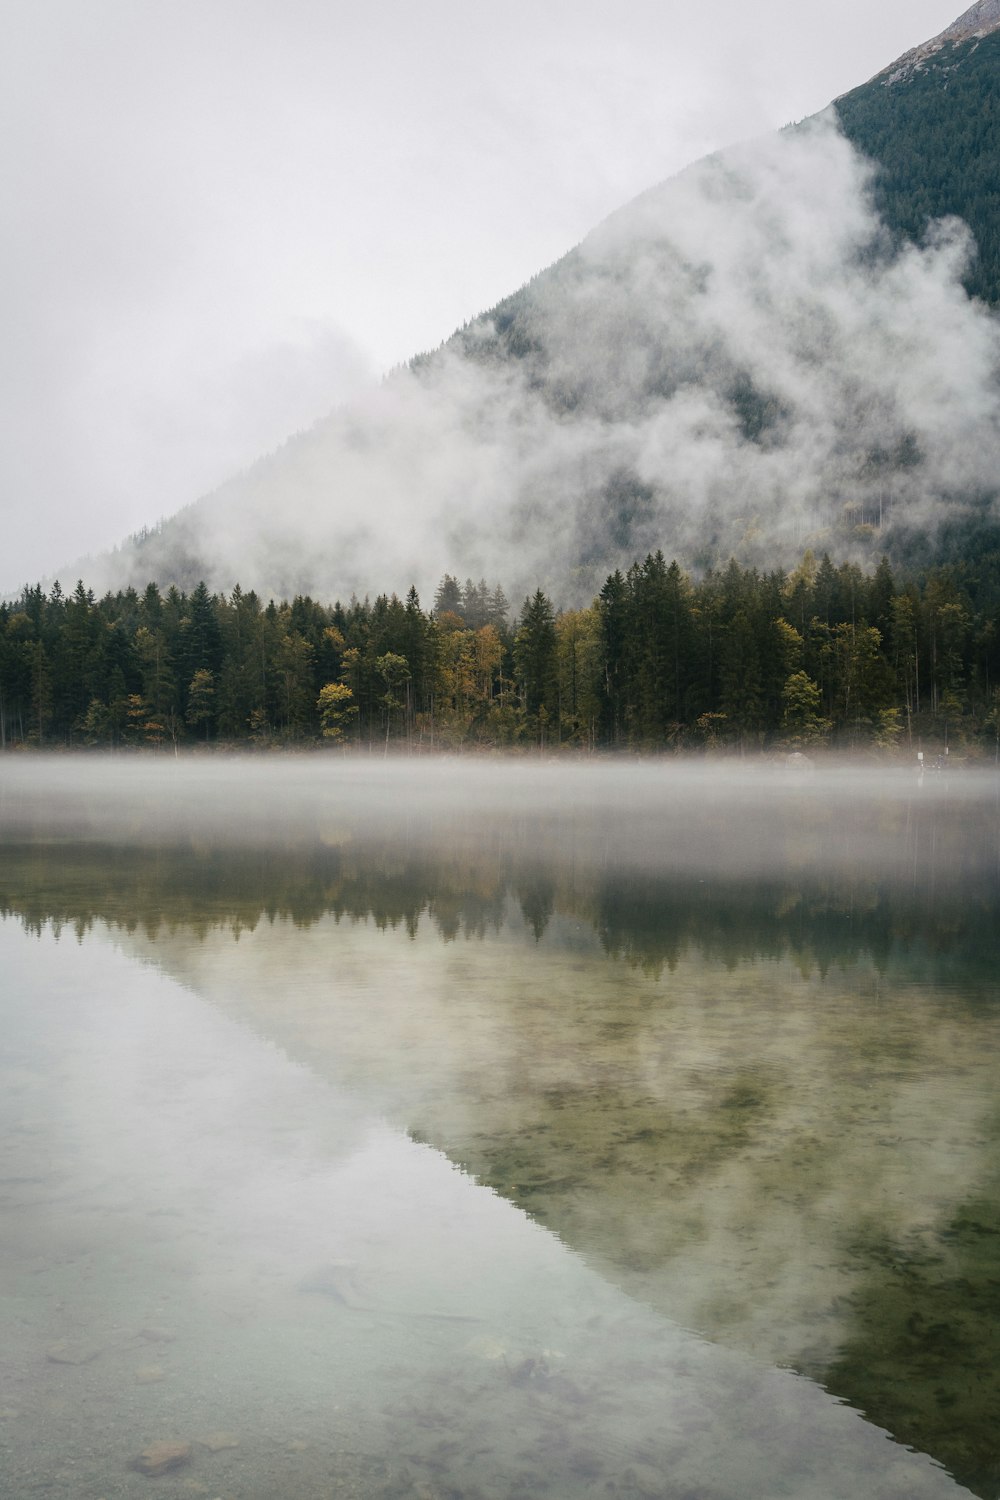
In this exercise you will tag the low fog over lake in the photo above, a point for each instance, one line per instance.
(487, 1129)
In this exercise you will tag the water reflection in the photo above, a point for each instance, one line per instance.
(931, 929)
(209, 1248)
(766, 1111)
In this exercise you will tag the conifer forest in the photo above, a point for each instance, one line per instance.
(738, 660)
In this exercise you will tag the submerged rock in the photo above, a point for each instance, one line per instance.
(488, 1346)
(338, 1280)
(217, 1442)
(645, 1480)
(160, 1457)
(67, 1352)
(157, 1335)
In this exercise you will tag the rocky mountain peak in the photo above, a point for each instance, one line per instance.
(979, 20)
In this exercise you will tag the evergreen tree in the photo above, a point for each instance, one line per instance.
(613, 609)
(535, 661)
(448, 597)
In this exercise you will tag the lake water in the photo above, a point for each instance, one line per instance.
(445, 1130)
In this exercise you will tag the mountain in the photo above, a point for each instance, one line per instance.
(789, 344)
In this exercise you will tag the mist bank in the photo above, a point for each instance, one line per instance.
(743, 362)
(688, 818)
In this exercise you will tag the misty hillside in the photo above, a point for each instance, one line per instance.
(775, 349)
(935, 131)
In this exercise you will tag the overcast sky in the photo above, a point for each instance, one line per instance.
(221, 217)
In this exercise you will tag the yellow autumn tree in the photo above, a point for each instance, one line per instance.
(335, 708)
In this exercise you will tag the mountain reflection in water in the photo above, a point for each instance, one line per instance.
(750, 1080)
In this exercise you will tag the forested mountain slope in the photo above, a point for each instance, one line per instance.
(934, 129)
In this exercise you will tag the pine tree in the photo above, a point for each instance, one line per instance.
(535, 661)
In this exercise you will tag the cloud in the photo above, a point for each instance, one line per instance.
(729, 365)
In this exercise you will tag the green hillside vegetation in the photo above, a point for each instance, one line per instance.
(936, 136)
(740, 660)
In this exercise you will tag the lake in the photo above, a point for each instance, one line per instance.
(488, 1129)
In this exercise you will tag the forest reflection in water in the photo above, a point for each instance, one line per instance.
(754, 1089)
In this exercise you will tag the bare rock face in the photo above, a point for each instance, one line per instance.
(160, 1457)
(979, 20)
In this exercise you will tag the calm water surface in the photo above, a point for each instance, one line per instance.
(498, 1134)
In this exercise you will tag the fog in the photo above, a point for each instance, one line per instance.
(689, 818)
(737, 363)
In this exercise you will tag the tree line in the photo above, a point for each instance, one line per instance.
(739, 658)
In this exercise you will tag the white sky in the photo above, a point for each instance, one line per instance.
(220, 217)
